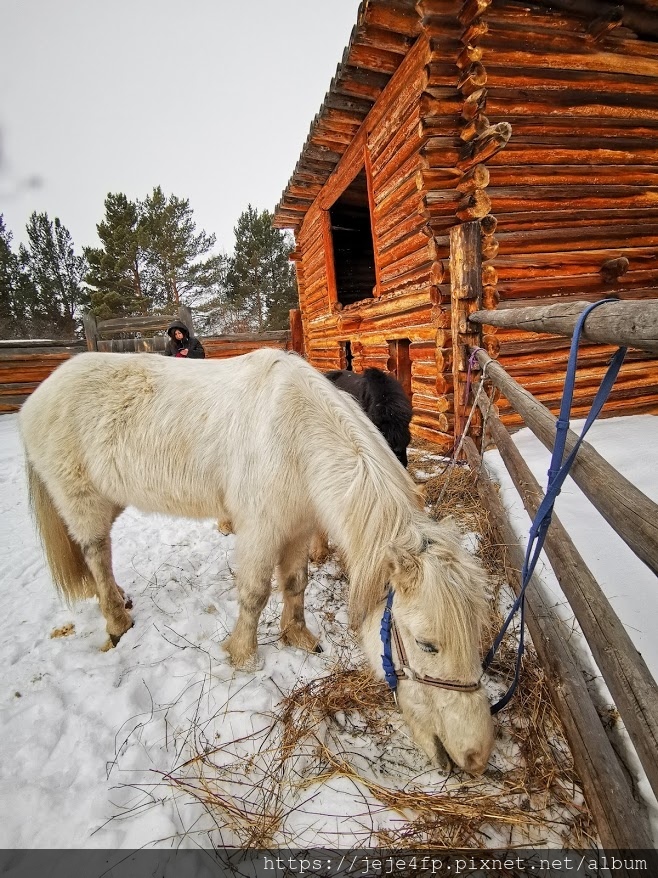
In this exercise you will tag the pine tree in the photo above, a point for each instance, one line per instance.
(261, 281)
(175, 252)
(15, 289)
(150, 258)
(56, 275)
(118, 270)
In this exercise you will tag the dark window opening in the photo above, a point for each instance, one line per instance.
(347, 350)
(351, 232)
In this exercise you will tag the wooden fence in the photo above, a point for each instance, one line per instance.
(25, 364)
(621, 821)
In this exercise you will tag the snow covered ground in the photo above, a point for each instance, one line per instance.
(88, 737)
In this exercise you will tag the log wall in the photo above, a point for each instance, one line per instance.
(409, 257)
(574, 191)
(25, 364)
(540, 124)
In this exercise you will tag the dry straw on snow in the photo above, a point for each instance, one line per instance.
(345, 728)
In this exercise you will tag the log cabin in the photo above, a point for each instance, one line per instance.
(536, 121)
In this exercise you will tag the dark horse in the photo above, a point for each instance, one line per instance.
(382, 398)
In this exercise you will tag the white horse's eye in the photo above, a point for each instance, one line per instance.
(426, 647)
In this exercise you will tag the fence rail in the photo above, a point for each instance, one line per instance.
(620, 820)
(25, 364)
(631, 324)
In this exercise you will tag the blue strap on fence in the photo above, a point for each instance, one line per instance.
(557, 473)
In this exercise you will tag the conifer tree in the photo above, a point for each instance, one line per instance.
(56, 275)
(175, 251)
(150, 258)
(118, 270)
(261, 280)
(15, 289)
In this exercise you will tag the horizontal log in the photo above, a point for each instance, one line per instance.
(529, 198)
(593, 63)
(576, 296)
(608, 129)
(632, 515)
(555, 175)
(610, 264)
(530, 79)
(572, 102)
(619, 821)
(626, 287)
(442, 441)
(644, 22)
(133, 324)
(12, 403)
(633, 324)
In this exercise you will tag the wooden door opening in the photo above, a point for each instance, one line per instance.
(399, 362)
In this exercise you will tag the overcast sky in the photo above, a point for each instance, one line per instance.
(210, 99)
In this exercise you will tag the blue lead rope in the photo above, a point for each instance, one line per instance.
(557, 473)
(385, 634)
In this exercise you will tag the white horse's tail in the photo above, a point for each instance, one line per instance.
(68, 567)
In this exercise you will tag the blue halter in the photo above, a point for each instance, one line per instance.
(557, 474)
(389, 632)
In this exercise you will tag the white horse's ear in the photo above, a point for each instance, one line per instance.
(405, 569)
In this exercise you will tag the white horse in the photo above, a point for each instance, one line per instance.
(265, 440)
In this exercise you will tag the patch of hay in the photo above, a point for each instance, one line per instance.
(345, 729)
(64, 631)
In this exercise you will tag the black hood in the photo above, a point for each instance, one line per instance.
(178, 325)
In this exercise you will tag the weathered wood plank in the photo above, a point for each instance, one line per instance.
(466, 292)
(619, 820)
(630, 512)
(632, 324)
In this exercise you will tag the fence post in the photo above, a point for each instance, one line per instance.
(185, 316)
(465, 298)
(91, 332)
(296, 331)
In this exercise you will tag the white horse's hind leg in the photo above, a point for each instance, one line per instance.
(89, 518)
(254, 581)
(292, 576)
(111, 598)
(319, 549)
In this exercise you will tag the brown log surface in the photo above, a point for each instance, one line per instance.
(628, 323)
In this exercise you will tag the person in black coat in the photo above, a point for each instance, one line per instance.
(182, 344)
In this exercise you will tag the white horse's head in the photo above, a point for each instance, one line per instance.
(438, 609)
